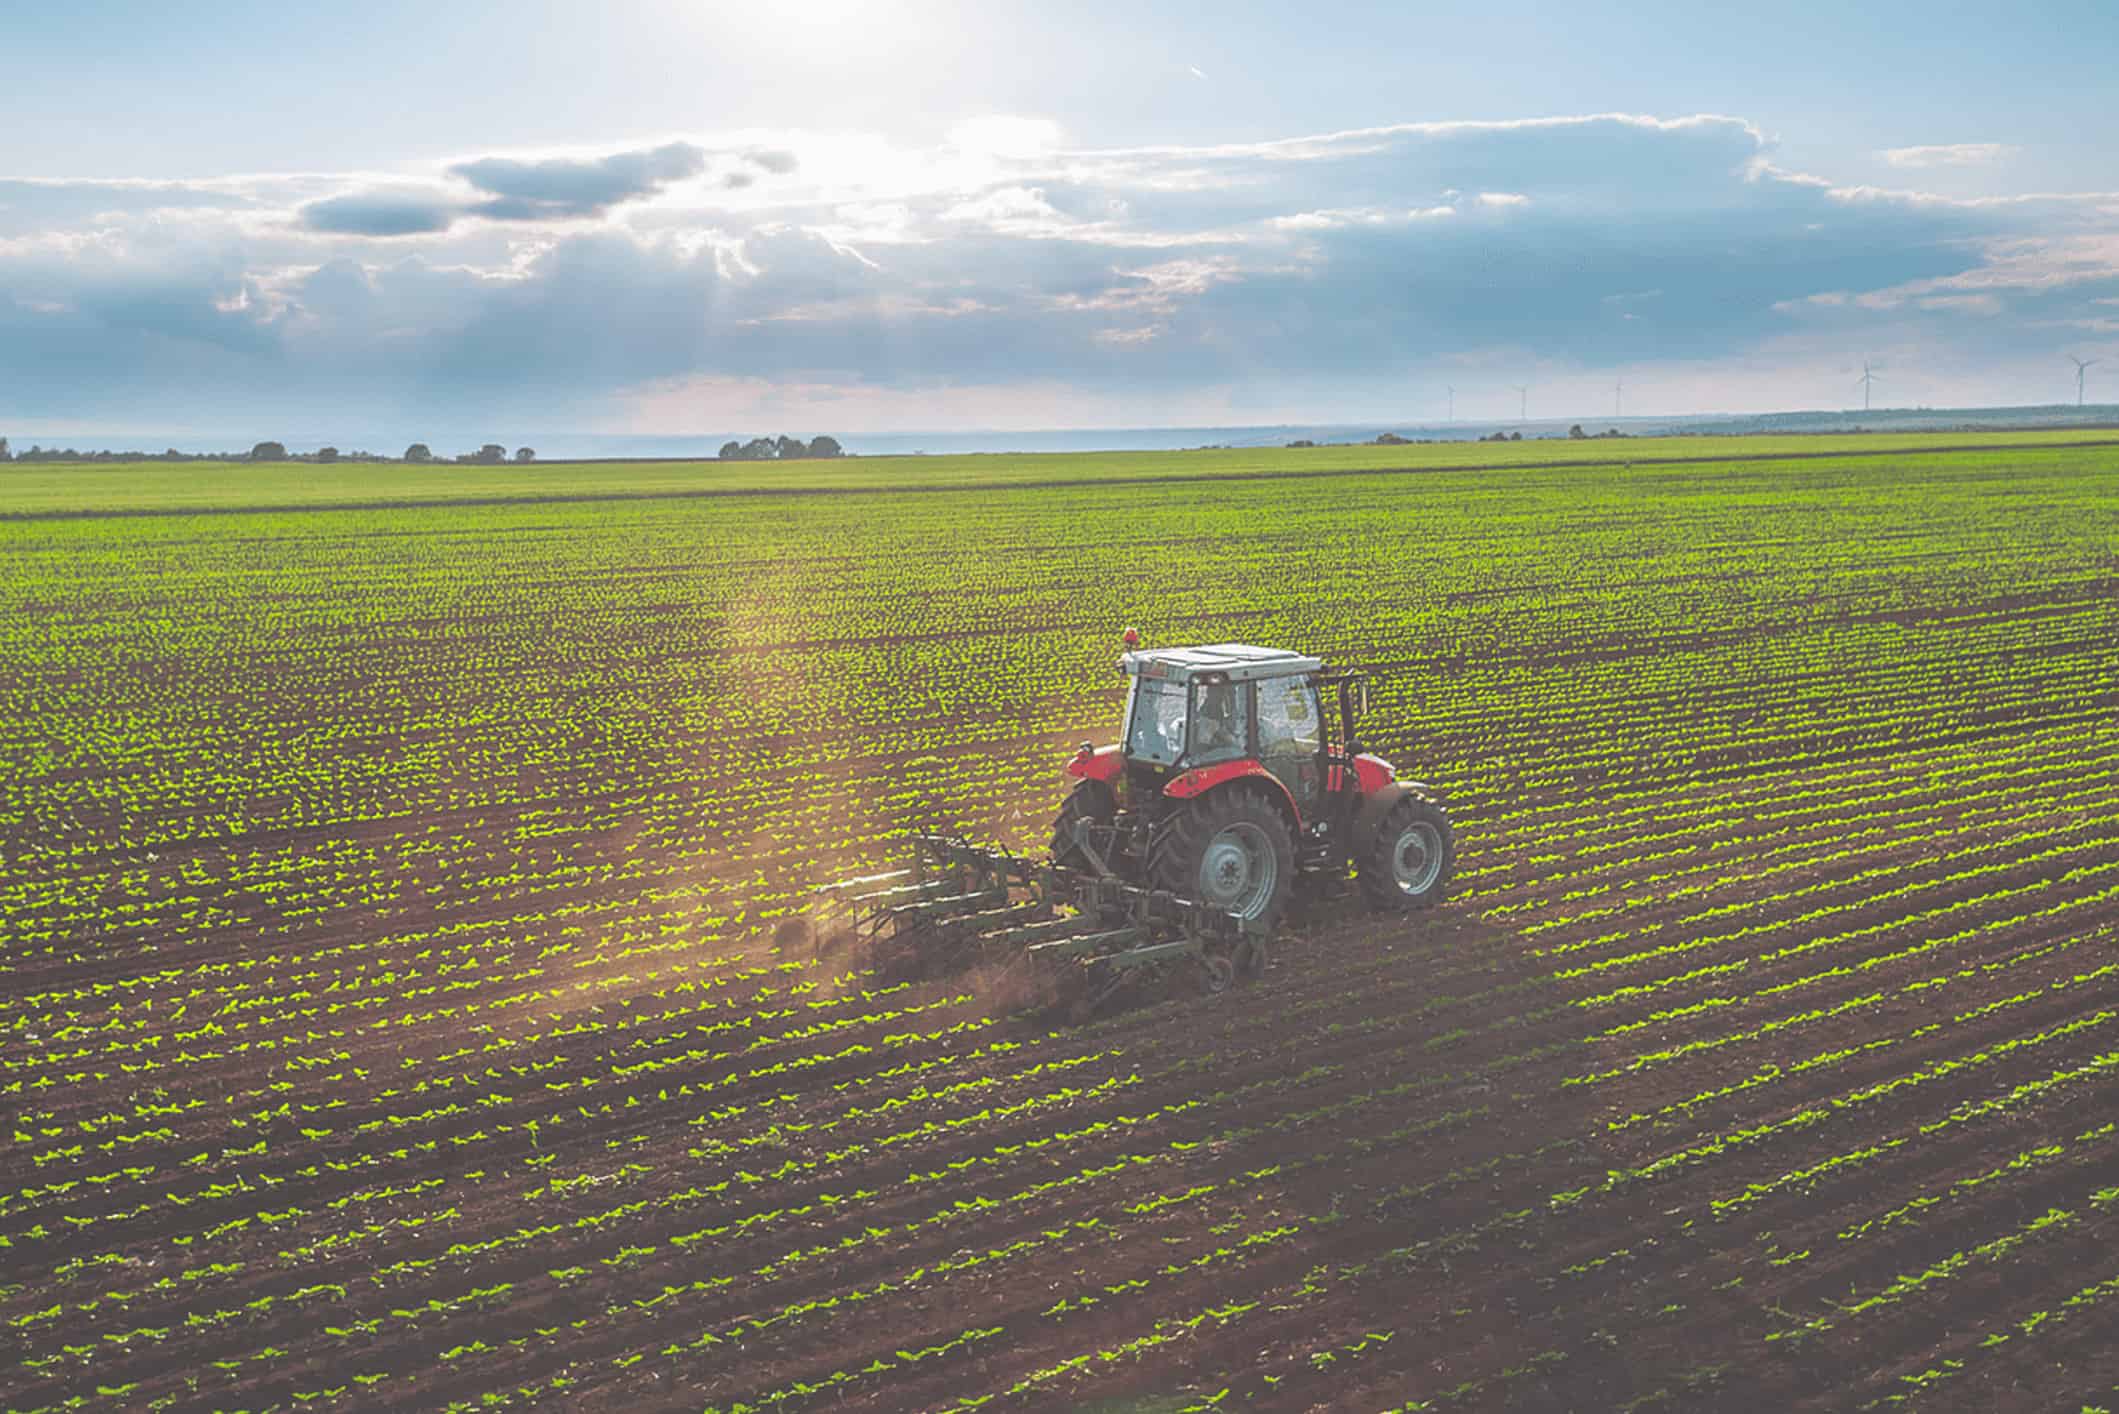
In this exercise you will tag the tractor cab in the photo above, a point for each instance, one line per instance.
(1198, 705)
(1190, 710)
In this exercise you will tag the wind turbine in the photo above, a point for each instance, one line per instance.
(2082, 365)
(1618, 393)
(1524, 391)
(1452, 400)
(1865, 380)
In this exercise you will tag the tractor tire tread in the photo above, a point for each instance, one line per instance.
(1174, 866)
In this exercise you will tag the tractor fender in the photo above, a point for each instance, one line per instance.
(1201, 779)
(1377, 804)
(1374, 806)
(1098, 763)
(1373, 772)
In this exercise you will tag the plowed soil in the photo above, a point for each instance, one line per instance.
(1765, 1055)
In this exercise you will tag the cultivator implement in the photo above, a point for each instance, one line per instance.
(1069, 933)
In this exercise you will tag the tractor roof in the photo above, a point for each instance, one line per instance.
(1232, 662)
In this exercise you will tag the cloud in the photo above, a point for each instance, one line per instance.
(1303, 272)
(402, 212)
(535, 189)
(1967, 304)
(1335, 218)
(1962, 154)
(30, 206)
(550, 188)
(1015, 210)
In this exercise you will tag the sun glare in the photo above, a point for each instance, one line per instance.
(801, 29)
(1005, 135)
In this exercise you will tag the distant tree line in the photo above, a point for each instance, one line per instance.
(782, 448)
(418, 454)
(491, 454)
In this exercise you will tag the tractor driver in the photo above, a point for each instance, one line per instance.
(1219, 722)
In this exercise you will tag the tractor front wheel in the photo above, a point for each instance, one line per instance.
(1408, 864)
(1231, 851)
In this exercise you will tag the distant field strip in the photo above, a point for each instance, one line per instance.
(89, 490)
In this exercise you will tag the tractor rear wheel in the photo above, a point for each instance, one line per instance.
(1092, 801)
(1231, 851)
(1408, 864)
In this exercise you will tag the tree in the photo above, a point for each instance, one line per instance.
(790, 447)
(419, 452)
(5, 454)
(1515, 436)
(269, 452)
(1575, 433)
(492, 453)
(825, 446)
(731, 451)
(1389, 439)
(327, 454)
(526, 454)
(760, 449)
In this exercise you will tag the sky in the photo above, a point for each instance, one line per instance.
(657, 217)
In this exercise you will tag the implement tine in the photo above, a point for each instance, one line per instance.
(961, 902)
(861, 882)
(902, 891)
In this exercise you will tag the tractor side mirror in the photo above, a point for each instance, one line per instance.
(1361, 696)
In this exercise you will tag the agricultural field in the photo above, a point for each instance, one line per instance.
(407, 997)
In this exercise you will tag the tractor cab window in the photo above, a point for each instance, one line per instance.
(1291, 738)
(1289, 723)
(1155, 729)
(1219, 725)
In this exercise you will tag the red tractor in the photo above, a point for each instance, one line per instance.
(1181, 844)
(1231, 779)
